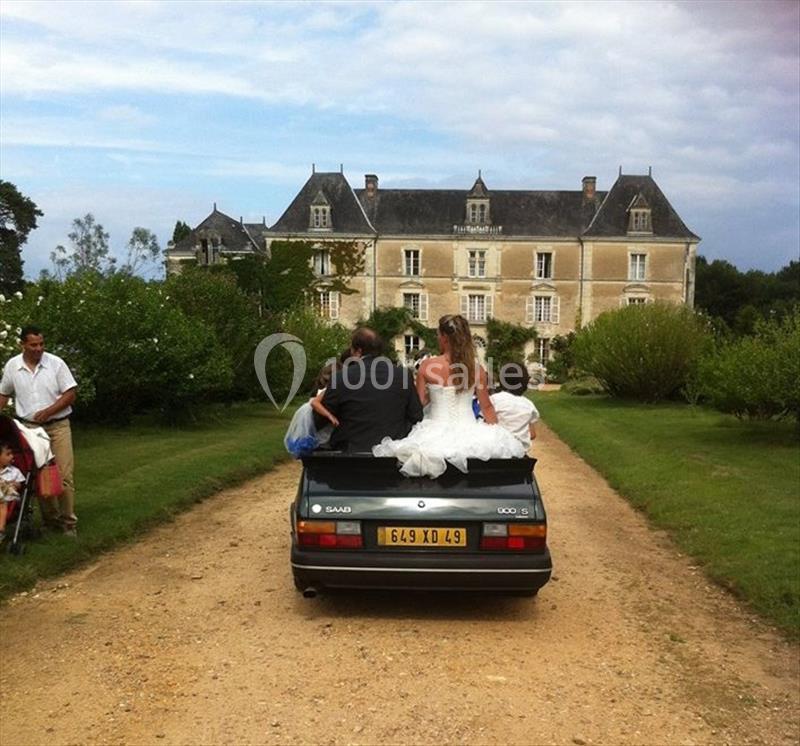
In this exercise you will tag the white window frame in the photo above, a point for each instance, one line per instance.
(412, 344)
(542, 308)
(328, 304)
(477, 307)
(637, 266)
(476, 262)
(543, 349)
(420, 313)
(539, 273)
(412, 257)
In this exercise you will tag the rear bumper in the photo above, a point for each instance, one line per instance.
(419, 571)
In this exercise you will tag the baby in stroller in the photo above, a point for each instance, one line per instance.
(11, 479)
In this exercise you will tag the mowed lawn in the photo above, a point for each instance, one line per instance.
(130, 478)
(728, 491)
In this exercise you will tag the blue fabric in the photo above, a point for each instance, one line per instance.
(476, 408)
(299, 447)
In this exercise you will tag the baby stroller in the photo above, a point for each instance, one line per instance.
(28, 460)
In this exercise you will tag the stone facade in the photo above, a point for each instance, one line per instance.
(549, 259)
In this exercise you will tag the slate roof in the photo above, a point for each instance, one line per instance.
(521, 213)
(524, 213)
(234, 235)
(612, 217)
(346, 213)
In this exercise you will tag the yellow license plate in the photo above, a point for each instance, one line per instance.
(421, 536)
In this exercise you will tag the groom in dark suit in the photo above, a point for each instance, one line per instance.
(371, 397)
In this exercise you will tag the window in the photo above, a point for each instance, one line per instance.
(411, 302)
(636, 269)
(542, 308)
(411, 346)
(328, 304)
(544, 265)
(478, 213)
(411, 262)
(543, 349)
(320, 217)
(417, 303)
(637, 300)
(322, 264)
(477, 263)
(640, 221)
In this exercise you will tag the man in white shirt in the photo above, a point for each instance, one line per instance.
(44, 390)
(515, 412)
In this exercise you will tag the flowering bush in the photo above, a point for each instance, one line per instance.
(129, 347)
(757, 376)
(645, 352)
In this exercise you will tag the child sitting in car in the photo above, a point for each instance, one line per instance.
(515, 412)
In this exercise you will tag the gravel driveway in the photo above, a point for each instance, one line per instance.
(195, 635)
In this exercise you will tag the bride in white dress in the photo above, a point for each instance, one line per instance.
(450, 433)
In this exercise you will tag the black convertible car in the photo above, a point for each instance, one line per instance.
(357, 522)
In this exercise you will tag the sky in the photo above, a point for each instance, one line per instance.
(146, 112)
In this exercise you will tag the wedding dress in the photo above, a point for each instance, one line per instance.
(449, 434)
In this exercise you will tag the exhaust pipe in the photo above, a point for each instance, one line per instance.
(310, 592)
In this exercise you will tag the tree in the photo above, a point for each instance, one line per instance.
(88, 252)
(506, 342)
(182, 230)
(143, 251)
(18, 216)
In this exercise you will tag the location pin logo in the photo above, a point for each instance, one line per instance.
(298, 353)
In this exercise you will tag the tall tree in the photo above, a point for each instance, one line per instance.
(143, 251)
(182, 230)
(18, 216)
(89, 249)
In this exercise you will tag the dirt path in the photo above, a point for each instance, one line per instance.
(195, 635)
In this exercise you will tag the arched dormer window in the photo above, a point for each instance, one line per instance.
(478, 203)
(639, 215)
(320, 213)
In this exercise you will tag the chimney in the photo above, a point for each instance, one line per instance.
(589, 184)
(371, 185)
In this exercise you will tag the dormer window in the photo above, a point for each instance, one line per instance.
(478, 203)
(639, 215)
(320, 217)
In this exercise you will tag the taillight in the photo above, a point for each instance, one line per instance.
(514, 537)
(330, 534)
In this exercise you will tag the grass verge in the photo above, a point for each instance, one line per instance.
(132, 478)
(727, 491)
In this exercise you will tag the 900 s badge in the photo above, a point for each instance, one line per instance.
(338, 509)
(513, 511)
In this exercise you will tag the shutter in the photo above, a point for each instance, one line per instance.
(555, 309)
(465, 306)
(489, 306)
(423, 306)
(529, 301)
(334, 312)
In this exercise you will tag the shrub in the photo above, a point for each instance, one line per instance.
(390, 322)
(645, 352)
(757, 376)
(583, 387)
(214, 298)
(506, 342)
(321, 341)
(128, 346)
(561, 367)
